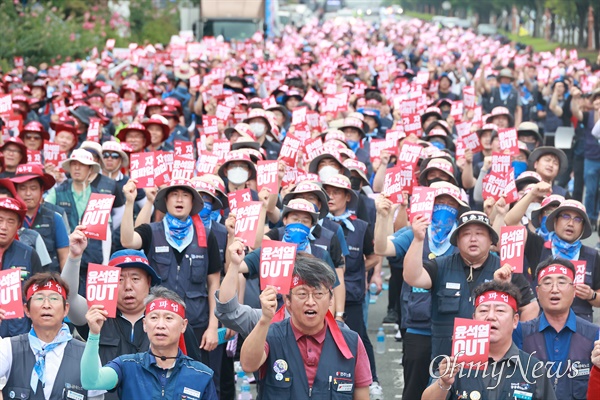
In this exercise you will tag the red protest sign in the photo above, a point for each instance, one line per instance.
(461, 147)
(469, 97)
(52, 153)
(277, 265)
(500, 163)
(266, 175)
(375, 148)
(412, 124)
(470, 139)
(184, 149)
(5, 103)
(223, 112)
(183, 168)
(498, 184)
(221, 147)
(210, 125)
(141, 167)
(313, 148)
(409, 153)
(510, 187)
(163, 165)
(34, 157)
(246, 221)
(195, 81)
(471, 342)
(207, 163)
(457, 109)
(398, 180)
(11, 297)
(421, 202)
(102, 287)
(579, 272)
(238, 197)
(508, 141)
(512, 247)
(93, 133)
(96, 215)
(289, 149)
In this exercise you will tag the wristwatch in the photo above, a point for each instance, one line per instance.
(340, 314)
(594, 296)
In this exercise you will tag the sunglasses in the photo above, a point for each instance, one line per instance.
(33, 137)
(114, 156)
(567, 218)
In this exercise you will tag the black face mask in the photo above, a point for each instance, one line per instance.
(530, 146)
(445, 114)
(356, 183)
(434, 180)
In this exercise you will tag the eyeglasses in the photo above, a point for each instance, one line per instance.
(40, 298)
(567, 218)
(114, 156)
(561, 285)
(33, 137)
(304, 295)
(11, 150)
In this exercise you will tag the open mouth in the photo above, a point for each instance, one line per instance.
(554, 299)
(46, 315)
(160, 335)
(179, 208)
(310, 313)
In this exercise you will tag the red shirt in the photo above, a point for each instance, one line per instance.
(310, 347)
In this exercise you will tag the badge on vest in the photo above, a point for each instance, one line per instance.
(475, 395)
(522, 395)
(74, 395)
(193, 394)
(580, 369)
(161, 249)
(452, 286)
(339, 386)
(280, 367)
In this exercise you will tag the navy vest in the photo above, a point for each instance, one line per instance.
(416, 304)
(511, 102)
(512, 379)
(45, 226)
(187, 279)
(67, 380)
(335, 227)
(452, 298)
(582, 343)
(592, 147)
(293, 384)
(220, 233)
(354, 275)
(17, 255)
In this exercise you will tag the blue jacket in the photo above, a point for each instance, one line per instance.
(139, 378)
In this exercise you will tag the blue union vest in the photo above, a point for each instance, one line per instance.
(187, 279)
(582, 343)
(23, 360)
(354, 275)
(293, 384)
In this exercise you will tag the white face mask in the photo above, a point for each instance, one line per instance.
(258, 128)
(237, 175)
(327, 172)
(530, 208)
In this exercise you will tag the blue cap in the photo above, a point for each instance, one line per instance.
(134, 259)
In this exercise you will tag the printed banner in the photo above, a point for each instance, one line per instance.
(471, 342)
(421, 202)
(266, 175)
(142, 169)
(512, 247)
(246, 221)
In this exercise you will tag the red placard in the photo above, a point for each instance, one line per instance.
(508, 141)
(93, 133)
(5, 103)
(498, 184)
(210, 125)
(510, 187)
(375, 148)
(247, 220)
(313, 148)
(141, 167)
(52, 153)
(11, 296)
(412, 124)
(421, 202)
(238, 197)
(221, 147)
(163, 165)
(457, 109)
(223, 112)
(184, 149)
(102, 286)
(289, 150)
(195, 82)
(579, 272)
(471, 342)
(97, 214)
(398, 180)
(183, 168)
(266, 175)
(461, 147)
(409, 153)
(14, 122)
(207, 163)
(290, 177)
(512, 247)
(34, 157)
(470, 139)
(500, 163)
(469, 97)
(277, 265)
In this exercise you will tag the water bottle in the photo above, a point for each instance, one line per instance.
(239, 380)
(372, 293)
(380, 348)
(245, 392)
